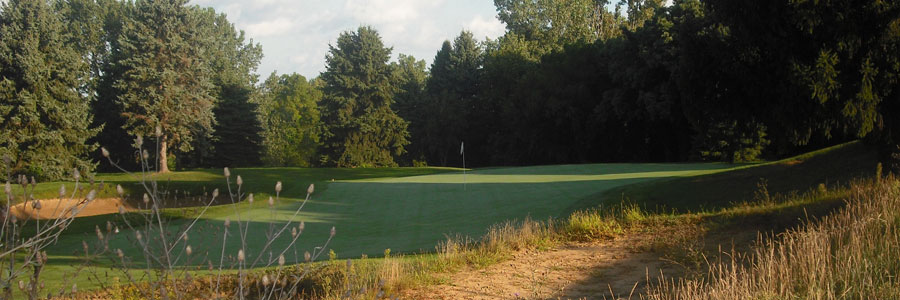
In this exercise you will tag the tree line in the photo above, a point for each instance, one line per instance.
(571, 81)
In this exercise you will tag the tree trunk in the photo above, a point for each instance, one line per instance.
(163, 154)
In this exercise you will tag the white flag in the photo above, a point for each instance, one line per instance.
(461, 147)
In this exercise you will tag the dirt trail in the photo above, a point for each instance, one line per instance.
(579, 271)
(55, 208)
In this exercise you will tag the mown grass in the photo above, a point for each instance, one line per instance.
(683, 234)
(833, 166)
(410, 213)
(439, 207)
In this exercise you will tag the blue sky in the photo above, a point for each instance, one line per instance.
(295, 34)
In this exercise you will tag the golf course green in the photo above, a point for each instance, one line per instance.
(407, 210)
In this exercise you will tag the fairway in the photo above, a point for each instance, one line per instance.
(380, 209)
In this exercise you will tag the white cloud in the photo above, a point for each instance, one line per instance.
(295, 34)
(269, 28)
(384, 11)
(233, 11)
(482, 27)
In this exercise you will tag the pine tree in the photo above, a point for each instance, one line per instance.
(452, 90)
(362, 129)
(166, 87)
(236, 137)
(410, 103)
(44, 118)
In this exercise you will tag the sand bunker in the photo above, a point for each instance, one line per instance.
(55, 208)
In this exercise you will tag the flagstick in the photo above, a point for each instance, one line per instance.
(464, 170)
(462, 150)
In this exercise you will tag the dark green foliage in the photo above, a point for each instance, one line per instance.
(288, 107)
(238, 129)
(44, 114)
(166, 87)
(452, 96)
(411, 102)
(235, 138)
(718, 80)
(362, 129)
(104, 54)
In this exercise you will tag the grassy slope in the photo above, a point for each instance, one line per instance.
(406, 214)
(378, 209)
(832, 166)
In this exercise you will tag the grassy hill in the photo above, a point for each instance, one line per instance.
(412, 209)
(833, 166)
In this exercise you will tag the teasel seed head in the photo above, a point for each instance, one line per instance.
(146, 198)
(271, 201)
(188, 250)
(240, 255)
(333, 231)
(104, 152)
(306, 256)
(311, 188)
(227, 172)
(239, 180)
(120, 190)
(62, 191)
(281, 260)
(250, 198)
(278, 187)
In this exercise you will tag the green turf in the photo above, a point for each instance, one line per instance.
(408, 210)
(831, 166)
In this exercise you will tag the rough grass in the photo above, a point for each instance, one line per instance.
(851, 254)
(413, 214)
(409, 210)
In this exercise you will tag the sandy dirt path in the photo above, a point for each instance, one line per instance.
(55, 208)
(603, 270)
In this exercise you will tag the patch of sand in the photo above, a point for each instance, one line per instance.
(56, 208)
(603, 270)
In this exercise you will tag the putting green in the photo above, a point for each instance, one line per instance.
(375, 210)
(412, 214)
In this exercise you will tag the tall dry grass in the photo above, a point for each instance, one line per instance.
(853, 253)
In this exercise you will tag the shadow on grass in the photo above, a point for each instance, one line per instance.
(603, 169)
(733, 231)
(832, 167)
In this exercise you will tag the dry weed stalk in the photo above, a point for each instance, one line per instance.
(22, 246)
(167, 257)
(851, 254)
